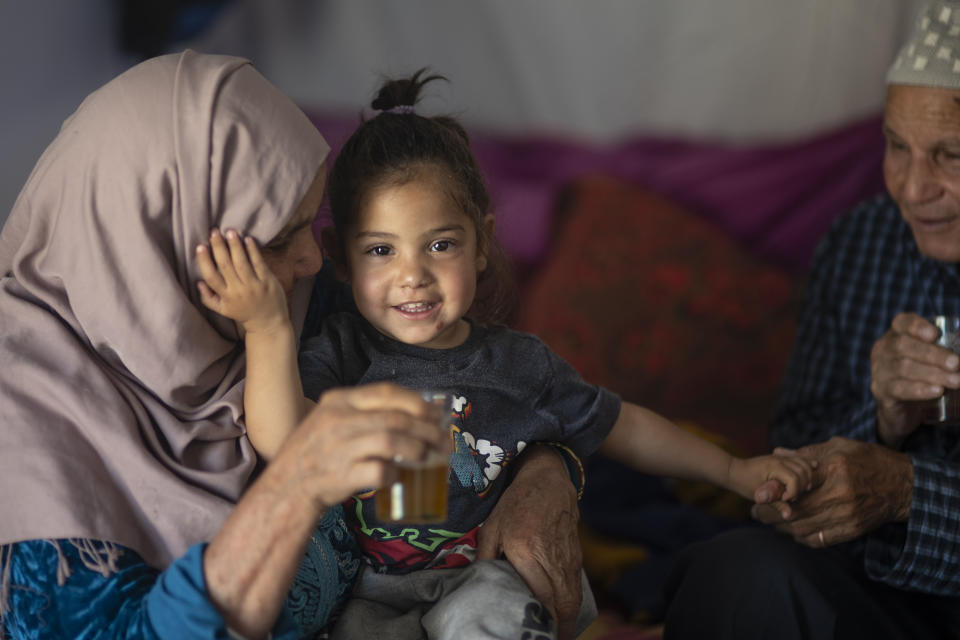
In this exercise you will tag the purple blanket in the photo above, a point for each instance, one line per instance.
(776, 199)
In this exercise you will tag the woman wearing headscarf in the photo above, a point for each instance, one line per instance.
(131, 502)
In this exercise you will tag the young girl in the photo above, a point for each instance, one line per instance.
(414, 237)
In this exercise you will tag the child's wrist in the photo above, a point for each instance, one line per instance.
(735, 467)
(273, 325)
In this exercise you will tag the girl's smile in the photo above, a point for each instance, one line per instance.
(413, 260)
(417, 310)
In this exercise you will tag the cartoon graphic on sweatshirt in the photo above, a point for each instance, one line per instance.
(476, 462)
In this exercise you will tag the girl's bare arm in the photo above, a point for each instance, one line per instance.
(238, 284)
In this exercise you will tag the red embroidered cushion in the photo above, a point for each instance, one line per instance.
(649, 300)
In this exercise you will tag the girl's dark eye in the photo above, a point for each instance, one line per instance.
(441, 245)
(379, 250)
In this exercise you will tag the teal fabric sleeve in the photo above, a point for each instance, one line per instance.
(135, 601)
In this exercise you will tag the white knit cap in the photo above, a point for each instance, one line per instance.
(931, 56)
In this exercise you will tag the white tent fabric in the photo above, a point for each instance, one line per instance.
(592, 70)
(739, 70)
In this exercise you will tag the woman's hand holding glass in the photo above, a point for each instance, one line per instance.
(347, 443)
(351, 440)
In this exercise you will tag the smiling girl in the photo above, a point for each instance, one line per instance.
(414, 238)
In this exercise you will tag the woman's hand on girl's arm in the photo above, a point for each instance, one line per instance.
(238, 284)
(347, 443)
(534, 525)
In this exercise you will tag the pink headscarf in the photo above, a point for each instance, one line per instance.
(120, 394)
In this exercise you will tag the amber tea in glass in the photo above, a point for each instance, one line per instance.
(419, 494)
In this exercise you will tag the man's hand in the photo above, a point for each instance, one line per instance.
(535, 526)
(906, 367)
(858, 487)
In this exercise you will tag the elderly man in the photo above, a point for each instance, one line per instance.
(873, 549)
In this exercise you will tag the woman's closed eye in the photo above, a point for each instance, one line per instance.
(277, 246)
(286, 238)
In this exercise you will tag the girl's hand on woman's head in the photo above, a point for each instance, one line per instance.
(238, 284)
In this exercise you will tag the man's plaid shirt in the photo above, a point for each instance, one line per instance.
(865, 271)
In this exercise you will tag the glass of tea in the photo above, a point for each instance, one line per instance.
(419, 494)
(945, 410)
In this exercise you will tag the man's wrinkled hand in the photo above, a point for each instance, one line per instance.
(857, 487)
(906, 368)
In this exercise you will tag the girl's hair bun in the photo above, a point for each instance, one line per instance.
(400, 95)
